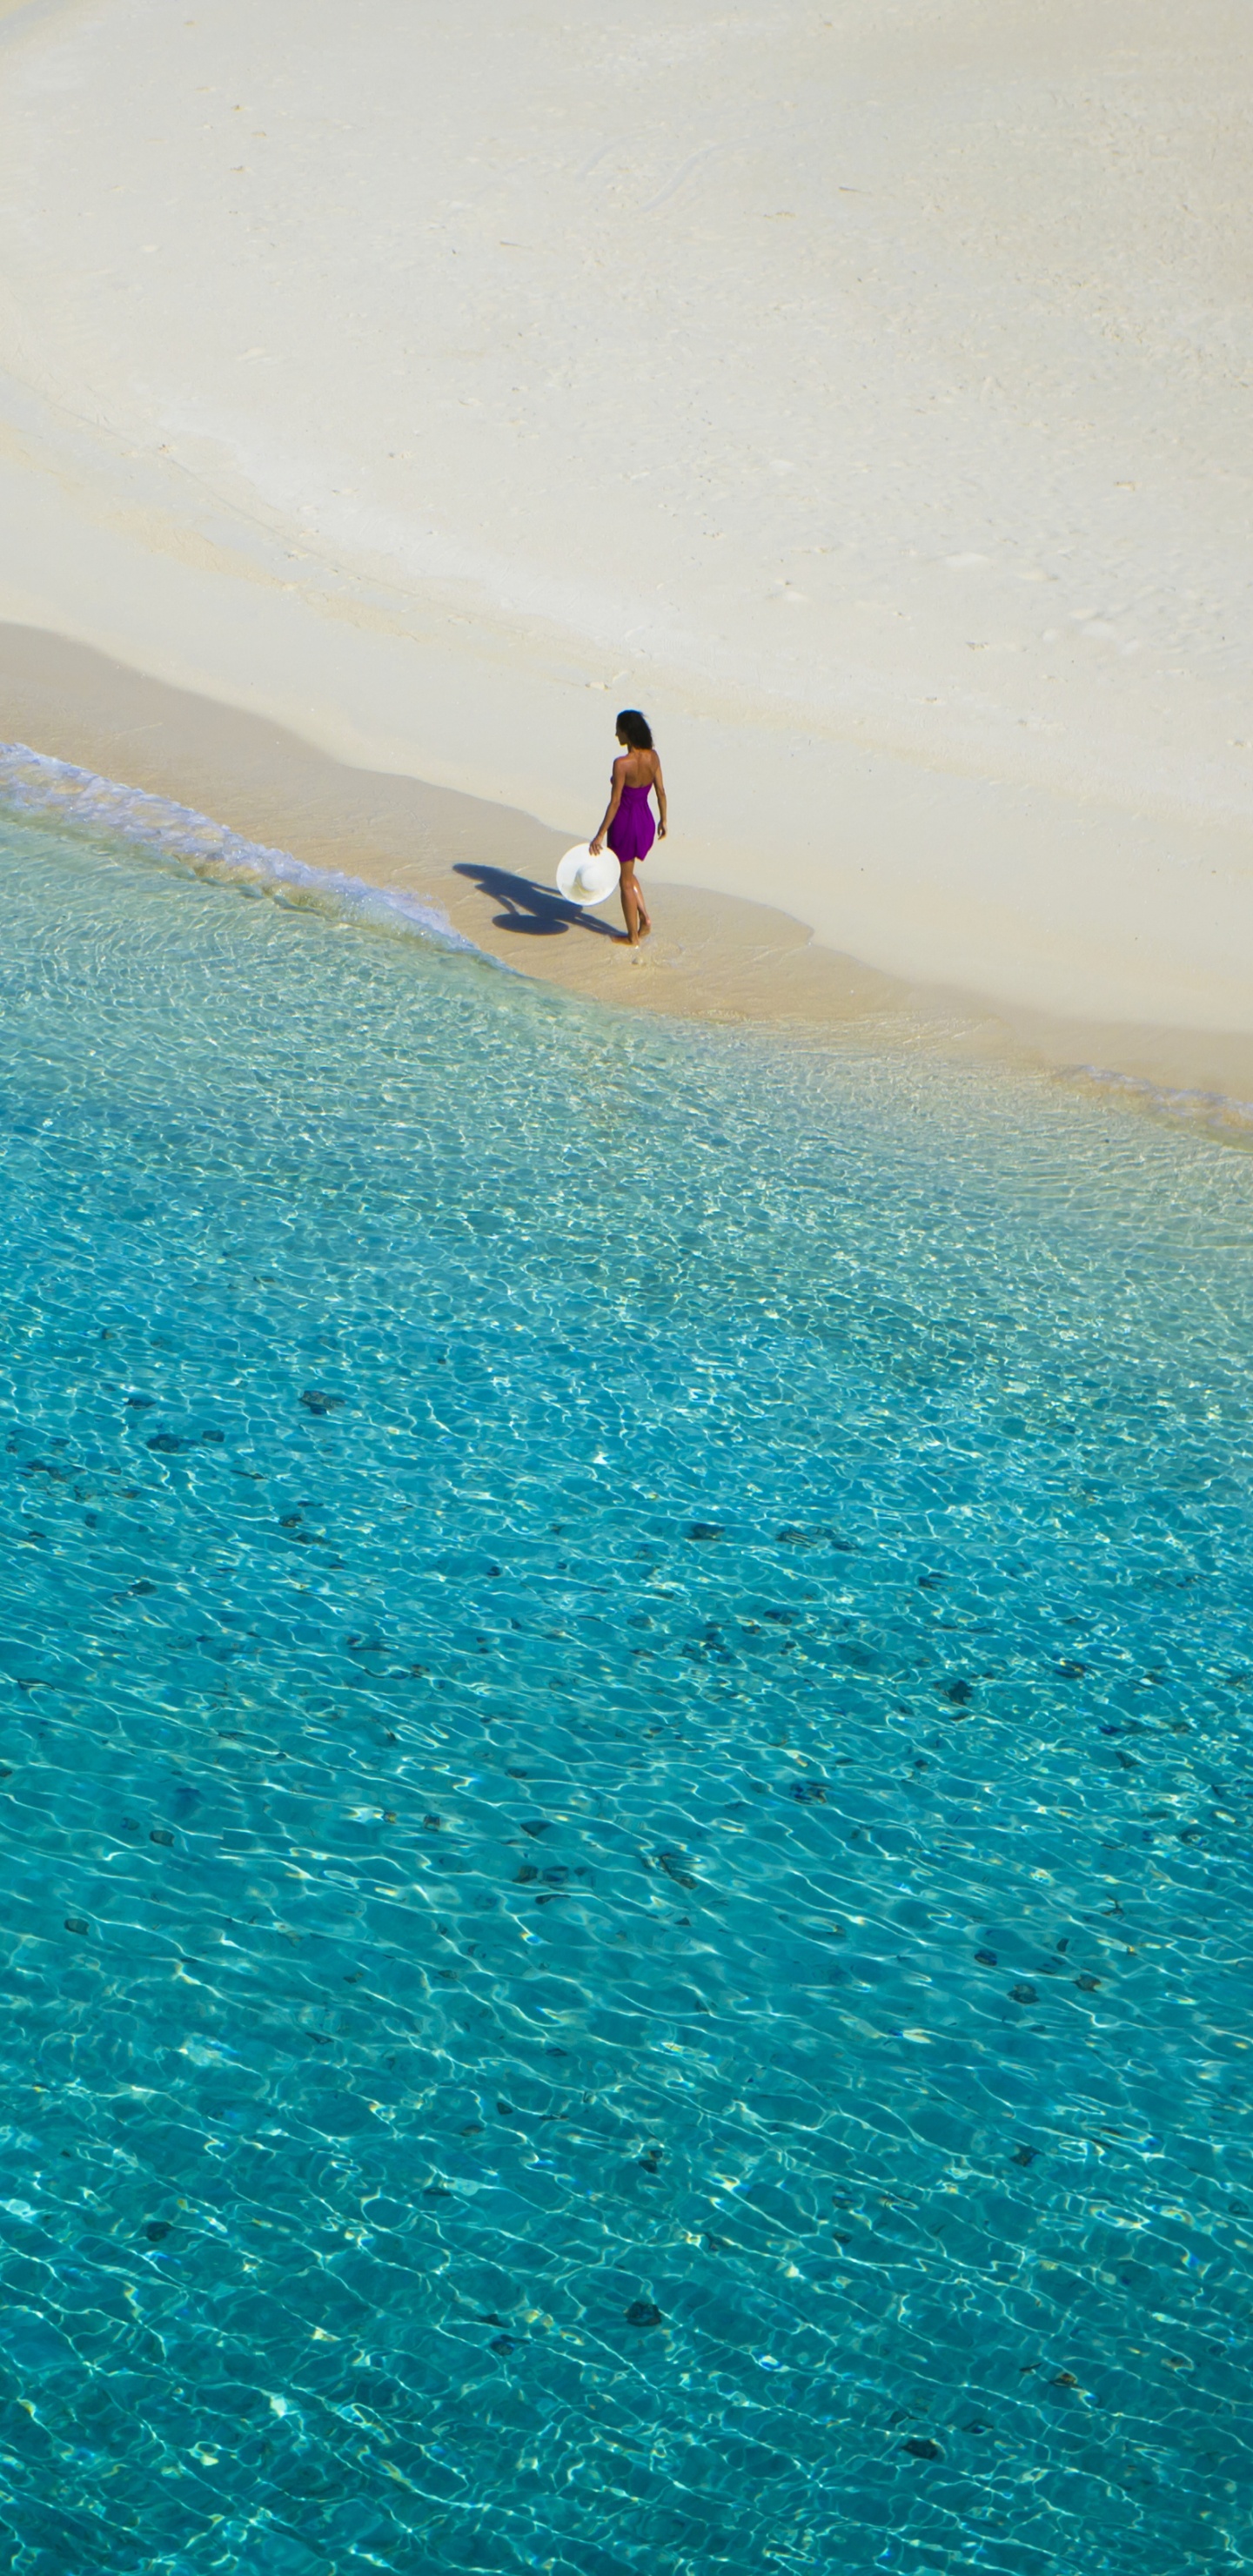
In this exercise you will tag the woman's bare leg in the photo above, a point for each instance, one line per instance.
(635, 911)
(630, 894)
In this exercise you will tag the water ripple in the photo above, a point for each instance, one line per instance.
(624, 1673)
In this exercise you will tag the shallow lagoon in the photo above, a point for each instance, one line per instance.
(625, 1702)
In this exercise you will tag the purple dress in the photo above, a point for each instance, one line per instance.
(632, 831)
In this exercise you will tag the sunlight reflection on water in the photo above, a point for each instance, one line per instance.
(625, 1670)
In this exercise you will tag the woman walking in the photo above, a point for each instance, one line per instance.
(628, 819)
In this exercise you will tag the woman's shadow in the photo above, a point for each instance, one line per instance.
(533, 911)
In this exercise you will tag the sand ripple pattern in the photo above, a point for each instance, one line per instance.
(624, 1682)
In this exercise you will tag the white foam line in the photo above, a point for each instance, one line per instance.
(1213, 1109)
(32, 783)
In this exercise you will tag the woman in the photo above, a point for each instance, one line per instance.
(628, 820)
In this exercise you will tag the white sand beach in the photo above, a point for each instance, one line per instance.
(863, 390)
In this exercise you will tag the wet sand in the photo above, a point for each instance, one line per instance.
(875, 413)
(491, 869)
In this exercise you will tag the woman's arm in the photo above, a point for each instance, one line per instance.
(659, 786)
(619, 781)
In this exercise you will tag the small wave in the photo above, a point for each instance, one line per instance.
(32, 783)
(1218, 1111)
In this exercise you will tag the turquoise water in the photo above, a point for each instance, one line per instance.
(625, 1679)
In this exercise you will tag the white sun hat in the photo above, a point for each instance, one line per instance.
(584, 879)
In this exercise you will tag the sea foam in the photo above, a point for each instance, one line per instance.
(31, 783)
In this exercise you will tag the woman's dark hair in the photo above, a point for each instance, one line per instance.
(635, 729)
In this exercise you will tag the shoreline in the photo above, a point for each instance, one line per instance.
(489, 869)
(923, 539)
